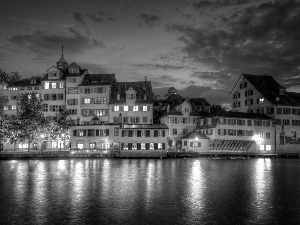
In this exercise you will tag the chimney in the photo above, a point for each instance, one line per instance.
(168, 108)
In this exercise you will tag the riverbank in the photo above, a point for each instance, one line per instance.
(139, 154)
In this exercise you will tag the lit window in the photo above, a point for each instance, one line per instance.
(92, 145)
(116, 108)
(261, 147)
(61, 85)
(268, 147)
(79, 146)
(5, 108)
(23, 145)
(145, 108)
(143, 146)
(125, 108)
(46, 85)
(87, 101)
(13, 107)
(262, 134)
(261, 101)
(53, 85)
(135, 108)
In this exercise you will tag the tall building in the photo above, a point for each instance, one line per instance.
(261, 94)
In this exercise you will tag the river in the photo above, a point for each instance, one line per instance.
(150, 191)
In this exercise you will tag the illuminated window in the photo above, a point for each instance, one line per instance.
(262, 134)
(160, 146)
(53, 85)
(145, 108)
(268, 147)
(23, 145)
(61, 85)
(13, 107)
(135, 108)
(125, 108)
(87, 101)
(143, 146)
(5, 108)
(80, 145)
(261, 147)
(151, 146)
(92, 145)
(261, 101)
(46, 85)
(116, 108)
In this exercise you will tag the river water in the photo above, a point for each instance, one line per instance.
(150, 191)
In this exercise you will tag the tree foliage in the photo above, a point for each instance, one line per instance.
(30, 122)
(9, 77)
(216, 108)
(3, 119)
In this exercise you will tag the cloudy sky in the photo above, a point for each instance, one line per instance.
(200, 47)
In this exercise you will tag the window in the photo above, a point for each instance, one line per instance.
(194, 120)
(79, 145)
(145, 108)
(90, 133)
(248, 101)
(135, 108)
(118, 97)
(53, 85)
(125, 108)
(36, 88)
(130, 133)
(14, 97)
(87, 90)
(22, 88)
(184, 131)
(260, 101)
(243, 84)
(45, 108)
(46, 85)
(60, 96)
(268, 147)
(266, 123)
(241, 122)
(72, 80)
(29, 88)
(145, 119)
(185, 143)
(86, 101)
(231, 121)
(279, 111)
(139, 133)
(72, 101)
(285, 122)
(116, 108)
(249, 122)
(130, 96)
(100, 101)
(222, 132)
(249, 133)
(236, 95)
(155, 133)
(268, 135)
(231, 132)
(85, 112)
(236, 104)
(260, 110)
(73, 90)
(72, 111)
(175, 120)
(184, 120)
(13, 107)
(174, 131)
(286, 111)
(248, 93)
(262, 134)
(116, 120)
(261, 147)
(269, 110)
(125, 119)
(195, 144)
(135, 119)
(147, 133)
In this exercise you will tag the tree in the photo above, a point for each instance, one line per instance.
(60, 126)
(216, 108)
(12, 77)
(3, 120)
(30, 122)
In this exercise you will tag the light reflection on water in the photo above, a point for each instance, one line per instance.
(141, 191)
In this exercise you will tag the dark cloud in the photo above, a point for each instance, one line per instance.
(261, 39)
(46, 43)
(94, 68)
(101, 16)
(149, 20)
(158, 66)
(79, 17)
(220, 3)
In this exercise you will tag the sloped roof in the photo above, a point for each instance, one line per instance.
(194, 134)
(174, 112)
(199, 101)
(24, 82)
(98, 79)
(144, 126)
(230, 114)
(269, 88)
(141, 87)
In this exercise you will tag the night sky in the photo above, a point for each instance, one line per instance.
(199, 47)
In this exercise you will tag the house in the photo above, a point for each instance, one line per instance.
(261, 94)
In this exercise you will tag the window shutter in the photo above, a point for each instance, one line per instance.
(107, 132)
(75, 110)
(148, 107)
(74, 133)
(76, 101)
(112, 109)
(234, 132)
(68, 102)
(234, 121)
(121, 108)
(82, 101)
(163, 146)
(138, 120)
(140, 108)
(219, 132)
(219, 120)
(130, 108)
(122, 133)
(131, 119)
(92, 100)
(84, 132)
(257, 101)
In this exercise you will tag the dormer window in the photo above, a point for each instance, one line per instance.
(145, 97)
(54, 74)
(243, 84)
(73, 70)
(130, 96)
(118, 96)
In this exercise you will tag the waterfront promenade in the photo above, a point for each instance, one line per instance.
(34, 154)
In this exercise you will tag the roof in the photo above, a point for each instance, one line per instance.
(270, 89)
(194, 134)
(142, 88)
(172, 90)
(25, 82)
(144, 126)
(199, 101)
(98, 79)
(174, 112)
(230, 114)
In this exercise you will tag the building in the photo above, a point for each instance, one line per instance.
(261, 94)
